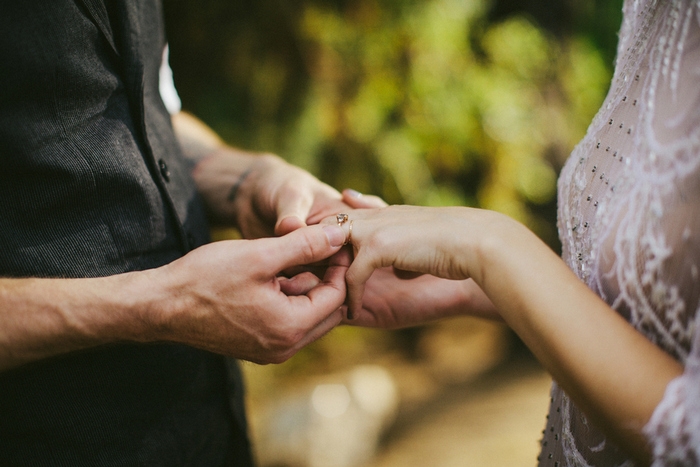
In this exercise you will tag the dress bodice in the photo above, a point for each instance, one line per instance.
(629, 221)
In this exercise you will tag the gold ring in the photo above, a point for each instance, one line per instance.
(349, 240)
(341, 219)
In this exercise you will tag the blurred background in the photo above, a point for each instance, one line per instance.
(432, 102)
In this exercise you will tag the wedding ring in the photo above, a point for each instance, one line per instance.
(341, 219)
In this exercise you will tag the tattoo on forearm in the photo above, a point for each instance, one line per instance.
(194, 153)
(234, 189)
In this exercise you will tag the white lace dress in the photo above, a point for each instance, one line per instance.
(629, 221)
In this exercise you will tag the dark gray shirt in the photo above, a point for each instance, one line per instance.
(93, 183)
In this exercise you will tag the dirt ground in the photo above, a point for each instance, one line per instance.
(467, 398)
(495, 420)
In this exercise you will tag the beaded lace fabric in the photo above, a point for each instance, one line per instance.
(629, 221)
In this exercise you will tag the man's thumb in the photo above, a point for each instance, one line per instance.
(288, 224)
(292, 212)
(309, 245)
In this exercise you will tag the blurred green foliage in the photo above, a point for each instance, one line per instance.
(435, 102)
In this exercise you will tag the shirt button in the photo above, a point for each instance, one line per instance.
(164, 170)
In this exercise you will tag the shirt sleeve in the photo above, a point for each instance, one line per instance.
(167, 86)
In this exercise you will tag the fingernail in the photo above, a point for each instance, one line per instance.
(349, 315)
(353, 193)
(298, 222)
(335, 234)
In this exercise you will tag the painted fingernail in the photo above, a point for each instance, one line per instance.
(335, 234)
(350, 315)
(353, 193)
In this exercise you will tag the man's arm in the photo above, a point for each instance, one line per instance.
(223, 297)
(40, 318)
(261, 194)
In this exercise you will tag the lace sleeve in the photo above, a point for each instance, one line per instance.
(674, 429)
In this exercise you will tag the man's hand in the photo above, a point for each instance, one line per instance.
(226, 297)
(277, 198)
(393, 300)
(261, 194)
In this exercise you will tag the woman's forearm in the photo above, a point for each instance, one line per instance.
(612, 372)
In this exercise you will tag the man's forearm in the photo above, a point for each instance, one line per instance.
(40, 318)
(196, 139)
(217, 168)
(223, 297)
(199, 142)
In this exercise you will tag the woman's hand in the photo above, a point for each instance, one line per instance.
(414, 264)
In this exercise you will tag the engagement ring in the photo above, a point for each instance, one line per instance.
(341, 218)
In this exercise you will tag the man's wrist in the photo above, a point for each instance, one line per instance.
(146, 301)
(196, 139)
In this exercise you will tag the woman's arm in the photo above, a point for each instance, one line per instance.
(613, 373)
